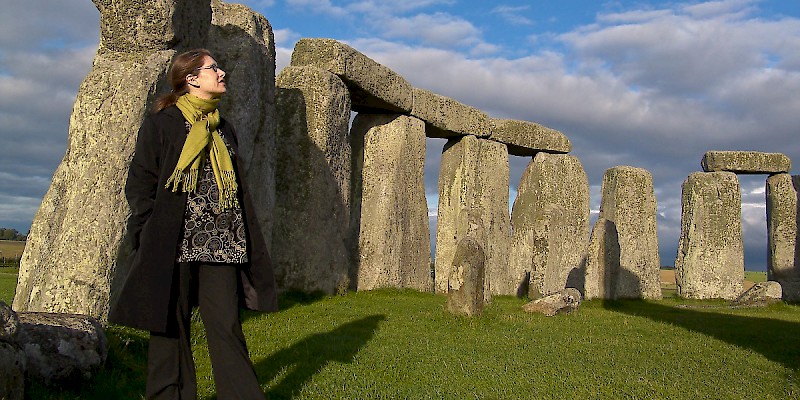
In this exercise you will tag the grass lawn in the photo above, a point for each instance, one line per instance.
(394, 344)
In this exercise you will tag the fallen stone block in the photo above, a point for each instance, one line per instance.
(12, 371)
(759, 295)
(745, 162)
(563, 302)
(61, 347)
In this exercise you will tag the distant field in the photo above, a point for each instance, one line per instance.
(11, 248)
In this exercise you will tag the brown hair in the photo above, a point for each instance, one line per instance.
(184, 64)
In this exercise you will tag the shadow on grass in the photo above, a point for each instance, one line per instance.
(295, 365)
(775, 339)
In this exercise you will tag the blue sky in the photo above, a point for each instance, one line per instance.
(651, 84)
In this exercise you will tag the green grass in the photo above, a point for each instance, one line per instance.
(8, 283)
(402, 344)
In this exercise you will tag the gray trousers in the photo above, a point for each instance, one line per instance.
(170, 367)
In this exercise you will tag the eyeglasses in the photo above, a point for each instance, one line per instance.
(213, 67)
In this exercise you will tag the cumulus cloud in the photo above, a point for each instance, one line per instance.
(513, 14)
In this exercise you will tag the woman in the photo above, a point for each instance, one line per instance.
(195, 237)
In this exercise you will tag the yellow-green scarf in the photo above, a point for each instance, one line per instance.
(204, 117)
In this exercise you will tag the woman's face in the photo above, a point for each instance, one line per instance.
(207, 82)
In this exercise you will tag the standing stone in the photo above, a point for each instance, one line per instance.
(783, 263)
(243, 44)
(75, 247)
(465, 282)
(71, 253)
(473, 178)
(389, 209)
(710, 260)
(623, 260)
(550, 225)
(312, 182)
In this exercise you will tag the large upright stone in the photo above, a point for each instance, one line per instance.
(75, 246)
(373, 86)
(467, 275)
(445, 117)
(389, 211)
(783, 262)
(710, 260)
(623, 258)
(745, 162)
(243, 44)
(528, 138)
(550, 225)
(310, 248)
(473, 179)
(71, 254)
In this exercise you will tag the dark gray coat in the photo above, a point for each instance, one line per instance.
(145, 296)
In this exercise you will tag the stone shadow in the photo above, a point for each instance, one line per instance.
(294, 366)
(774, 339)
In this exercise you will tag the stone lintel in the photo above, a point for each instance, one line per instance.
(372, 86)
(525, 138)
(446, 118)
(746, 162)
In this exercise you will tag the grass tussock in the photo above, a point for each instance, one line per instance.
(397, 344)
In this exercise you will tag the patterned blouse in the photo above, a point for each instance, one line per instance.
(209, 234)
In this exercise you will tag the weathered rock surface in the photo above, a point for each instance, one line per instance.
(760, 294)
(623, 260)
(9, 323)
(243, 44)
(465, 282)
(563, 302)
(445, 117)
(783, 265)
(75, 246)
(373, 86)
(745, 162)
(310, 237)
(61, 347)
(553, 197)
(528, 138)
(710, 260)
(389, 209)
(12, 371)
(473, 179)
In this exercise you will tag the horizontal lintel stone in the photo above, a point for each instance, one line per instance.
(746, 162)
(525, 138)
(372, 85)
(445, 117)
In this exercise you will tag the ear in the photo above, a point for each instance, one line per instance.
(191, 80)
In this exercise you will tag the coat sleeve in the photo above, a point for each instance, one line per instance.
(141, 186)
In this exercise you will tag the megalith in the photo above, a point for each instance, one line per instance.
(311, 227)
(467, 275)
(710, 259)
(622, 261)
(745, 162)
(783, 262)
(473, 178)
(550, 227)
(75, 247)
(72, 249)
(389, 213)
(243, 44)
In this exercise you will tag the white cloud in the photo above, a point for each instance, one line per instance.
(319, 7)
(513, 14)
(439, 29)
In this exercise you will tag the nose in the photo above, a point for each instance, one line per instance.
(221, 72)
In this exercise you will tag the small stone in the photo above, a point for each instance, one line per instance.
(563, 302)
(465, 284)
(9, 323)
